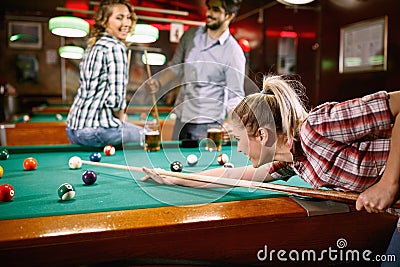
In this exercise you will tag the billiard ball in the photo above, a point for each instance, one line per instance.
(176, 166)
(66, 191)
(4, 154)
(228, 165)
(1, 171)
(95, 156)
(172, 116)
(109, 150)
(89, 177)
(30, 164)
(75, 162)
(7, 192)
(222, 159)
(26, 118)
(59, 117)
(192, 160)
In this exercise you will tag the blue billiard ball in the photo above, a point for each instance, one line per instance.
(89, 177)
(95, 156)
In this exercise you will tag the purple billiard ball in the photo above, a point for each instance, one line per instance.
(95, 156)
(89, 177)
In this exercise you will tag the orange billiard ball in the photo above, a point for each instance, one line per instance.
(30, 164)
(1, 171)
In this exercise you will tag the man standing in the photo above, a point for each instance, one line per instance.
(210, 66)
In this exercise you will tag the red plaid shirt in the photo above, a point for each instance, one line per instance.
(343, 146)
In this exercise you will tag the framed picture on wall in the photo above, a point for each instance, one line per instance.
(363, 46)
(25, 35)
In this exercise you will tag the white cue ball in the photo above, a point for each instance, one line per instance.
(75, 162)
(172, 116)
(192, 160)
(59, 117)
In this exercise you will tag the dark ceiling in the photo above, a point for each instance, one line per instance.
(196, 8)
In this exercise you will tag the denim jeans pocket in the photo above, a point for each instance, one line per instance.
(88, 137)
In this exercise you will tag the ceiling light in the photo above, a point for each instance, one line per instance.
(295, 2)
(143, 33)
(70, 51)
(154, 59)
(68, 26)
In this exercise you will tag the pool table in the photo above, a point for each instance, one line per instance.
(122, 221)
(64, 108)
(46, 129)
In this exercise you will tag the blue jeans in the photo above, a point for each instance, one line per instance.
(98, 137)
(192, 131)
(393, 249)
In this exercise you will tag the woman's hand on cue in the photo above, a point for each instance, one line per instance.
(152, 174)
(378, 197)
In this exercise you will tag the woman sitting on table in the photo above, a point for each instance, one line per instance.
(348, 146)
(97, 117)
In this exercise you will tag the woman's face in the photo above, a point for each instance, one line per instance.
(120, 22)
(253, 147)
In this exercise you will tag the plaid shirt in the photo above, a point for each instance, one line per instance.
(103, 80)
(343, 146)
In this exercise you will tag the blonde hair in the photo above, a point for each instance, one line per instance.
(103, 14)
(279, 104)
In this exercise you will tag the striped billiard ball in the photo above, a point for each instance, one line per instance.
(66, 191)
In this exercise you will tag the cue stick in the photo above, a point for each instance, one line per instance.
(129, 67)
(153, 95)
(348, 197)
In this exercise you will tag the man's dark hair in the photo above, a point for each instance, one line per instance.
(230, 6)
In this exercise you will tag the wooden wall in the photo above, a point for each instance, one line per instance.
(48, 85)
(318, 27)
(338, 13)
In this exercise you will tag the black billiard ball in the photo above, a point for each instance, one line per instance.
(95, 156)
(89, 177)
(176, 166)
(4, 154)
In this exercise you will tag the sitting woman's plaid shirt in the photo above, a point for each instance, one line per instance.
(342, 146)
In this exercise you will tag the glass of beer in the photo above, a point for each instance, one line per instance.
(152, 138)
(214, 139)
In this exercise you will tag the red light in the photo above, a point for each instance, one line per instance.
(244, 44)
(287, 34)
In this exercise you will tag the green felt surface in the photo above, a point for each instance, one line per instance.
(36, 191)
(51, 117)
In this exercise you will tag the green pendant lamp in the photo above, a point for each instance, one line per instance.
(154, 59)
(143, 34)
(71, 52)
(69, 26)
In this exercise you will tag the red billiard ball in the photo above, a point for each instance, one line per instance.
(7, 192)
(30, 164)
(109, 150)
(222, 159)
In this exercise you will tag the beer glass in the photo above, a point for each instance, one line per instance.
(214, 139)
(152, 138)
